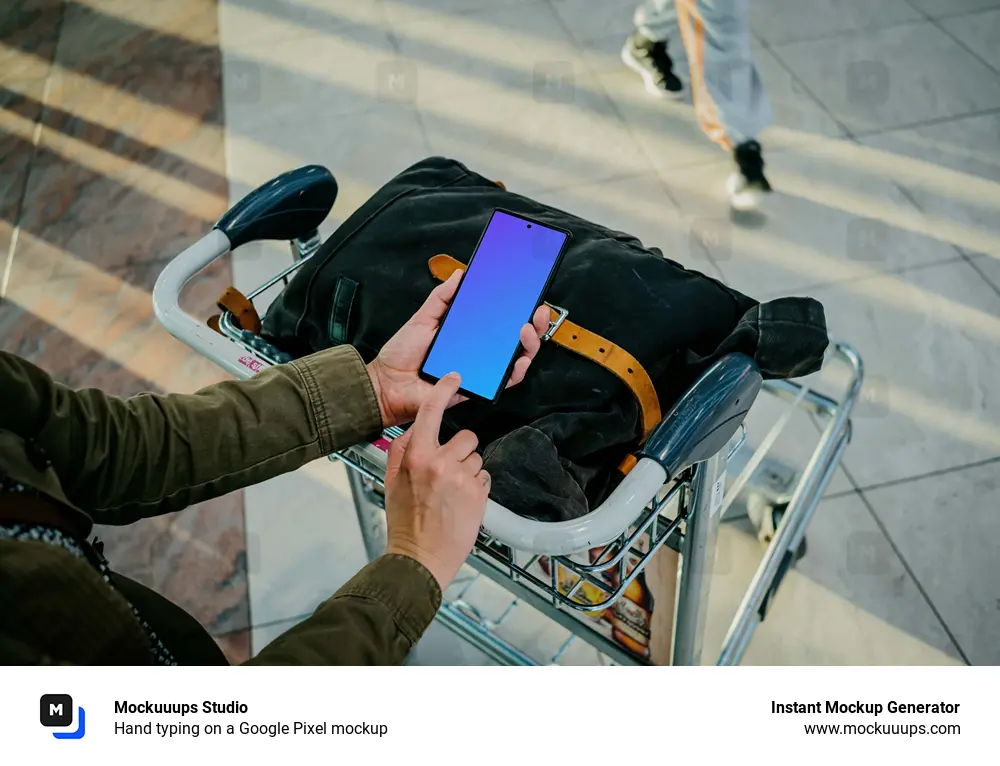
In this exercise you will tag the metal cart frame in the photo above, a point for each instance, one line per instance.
(674, 496)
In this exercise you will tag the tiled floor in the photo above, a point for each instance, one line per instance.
(883, 155)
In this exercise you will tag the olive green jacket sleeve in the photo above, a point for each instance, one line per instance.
(374, 619)
(118, 460)
(124, 459)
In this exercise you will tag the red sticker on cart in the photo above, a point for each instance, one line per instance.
(382, 444)
(251, 363)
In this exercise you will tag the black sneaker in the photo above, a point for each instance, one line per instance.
(651, 60)
(747, 184)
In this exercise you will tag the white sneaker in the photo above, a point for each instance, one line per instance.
(651, 61)
(743, 196)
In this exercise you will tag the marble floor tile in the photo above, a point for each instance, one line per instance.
(579, 652)
(990, 269)
(104, 221)
(251, 21)
(849, 556)
(880, 79)
(170, 60)
(440, 647)
(196, 558)
(980, 32)
(593, 20)
(640, 206)
(125, 135)
(66, 359)
(125, 184)
(945, 526)
(813, 229)
(603, 53)
(522, 48)
(104, 211)
(29, 32)
(19, 112)
(798, 117)
(116, 38)
(533, 145)
(848, 602)
(236, 646)
(666, 130)
(314, 78)
(363, 152)
(104, 313)
(939, 8)
(303, 541)
(928, 338)
(784, 21)
(406, 11)
(951, 171)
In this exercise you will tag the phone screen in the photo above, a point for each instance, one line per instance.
(500, 290)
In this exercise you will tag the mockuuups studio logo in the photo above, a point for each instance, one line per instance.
(56, 712)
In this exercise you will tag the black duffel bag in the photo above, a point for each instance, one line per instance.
(554, 444)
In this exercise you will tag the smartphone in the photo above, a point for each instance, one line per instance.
(479, 337)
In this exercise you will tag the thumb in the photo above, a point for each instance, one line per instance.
(397, 448)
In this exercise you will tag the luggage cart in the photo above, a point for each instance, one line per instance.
(676, 495)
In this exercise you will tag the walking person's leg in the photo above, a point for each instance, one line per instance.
(645, 51)
(726, 88)
(728, 94)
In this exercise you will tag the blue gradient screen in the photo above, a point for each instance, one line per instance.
(500, 289)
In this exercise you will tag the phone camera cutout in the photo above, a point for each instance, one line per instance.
(529, 225)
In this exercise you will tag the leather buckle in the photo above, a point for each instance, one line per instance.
(555, 325)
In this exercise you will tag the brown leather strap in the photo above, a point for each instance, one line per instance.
(243, 311)
(628, 464)
(592, 346)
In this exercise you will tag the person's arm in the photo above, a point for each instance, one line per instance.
(435, 499)
(125, 459)
(374, 619)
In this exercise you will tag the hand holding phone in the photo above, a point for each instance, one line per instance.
(502, 287)
(395, 373)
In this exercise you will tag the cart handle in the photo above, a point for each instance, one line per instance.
(288, 207)
(232, 357)
(698, 426)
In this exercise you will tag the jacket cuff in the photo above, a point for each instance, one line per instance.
(341, 397)
(403, 586)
